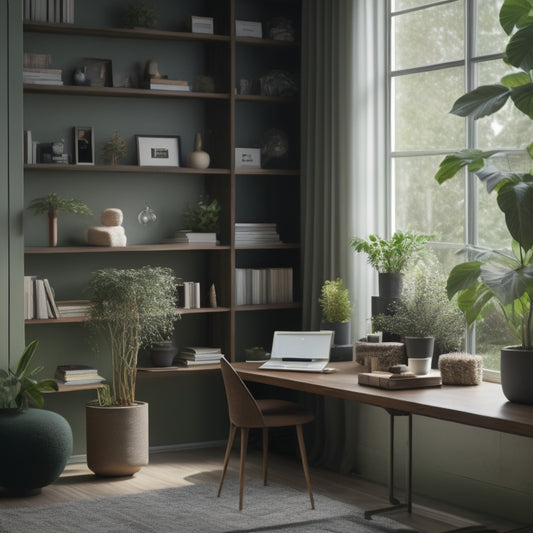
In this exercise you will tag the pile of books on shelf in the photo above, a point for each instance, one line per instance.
(77, 375)
(185, 236)
(162, 84)
(254, 286)
(189, 295)
(42, 76)
(60, 11)
(199, 355)
(73, 308)
(252, 233)
(39, 301)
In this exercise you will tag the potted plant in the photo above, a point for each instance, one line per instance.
(132, 308)
(203, 217)
(391, 257)
(37, 442)
(502, 276)
(141, 15)
(424, 318)
(114, 149)
(51, 205)
(336, 310)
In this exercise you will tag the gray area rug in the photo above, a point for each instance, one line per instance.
(196, 509)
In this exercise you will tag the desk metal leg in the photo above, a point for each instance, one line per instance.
(396, 504)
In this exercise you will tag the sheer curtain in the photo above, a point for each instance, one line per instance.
(344, 109)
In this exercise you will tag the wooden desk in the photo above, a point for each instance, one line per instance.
(483, 406)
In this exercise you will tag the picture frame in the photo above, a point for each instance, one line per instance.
(83, 145)
(158, 150)
(98, 72)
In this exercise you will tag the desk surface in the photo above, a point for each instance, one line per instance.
(482, 405)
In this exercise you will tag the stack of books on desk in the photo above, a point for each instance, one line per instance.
(199, 355)
(77, 375)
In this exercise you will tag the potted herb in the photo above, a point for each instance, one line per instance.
(391, 257)
(114, 149)
(503, 276)
(336, 310)
(36, 457)
(51, 205)
(132, 308)
(203, 217)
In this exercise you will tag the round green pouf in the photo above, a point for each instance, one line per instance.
(35, 446)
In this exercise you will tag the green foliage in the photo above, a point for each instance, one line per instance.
(54, 202)
(18, 389)
(203, 217)
(114, 148)
(424, 310)
(504, 276)
(141, 15)
(335, 301)
(133, 308)
(392, 255)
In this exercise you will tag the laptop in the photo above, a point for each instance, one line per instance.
(303, 351)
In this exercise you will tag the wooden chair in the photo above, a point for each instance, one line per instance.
(245, 412)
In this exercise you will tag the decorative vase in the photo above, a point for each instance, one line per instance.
(199, 158)
(35, 445)
(163, 353)
(341, 335)
(52, 227)
(117, 439)
(516, 371)
(390, 284)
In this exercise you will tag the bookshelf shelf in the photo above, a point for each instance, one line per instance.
(50, 250)
(268, 307)
(134, 169)
(161, 372)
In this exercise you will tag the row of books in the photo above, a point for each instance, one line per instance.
(77, 375)
(42, 76)
(59, 11)
(163, 84)
(256, 233)
(199, 355)
(254, 286)
(189, 296)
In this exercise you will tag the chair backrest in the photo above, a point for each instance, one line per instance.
(242, 407)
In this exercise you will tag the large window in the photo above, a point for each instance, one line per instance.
(439, 50)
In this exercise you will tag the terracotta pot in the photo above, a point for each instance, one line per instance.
(117, 439)
(516, 371)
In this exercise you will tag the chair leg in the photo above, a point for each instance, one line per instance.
(231, 438)
(305, 465)
(265, 455)
(244, 446)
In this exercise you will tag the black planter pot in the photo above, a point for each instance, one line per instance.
(390, 284)
(419, 347)
(516, 371)
(341, 335)
(162, 354)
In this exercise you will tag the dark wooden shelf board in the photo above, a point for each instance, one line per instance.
(269, 99)
(134, 169)
(122, 249)
(203, 310)
(122, 33)
(281, 246)
(73, 388)
(267, 171)
(121, 92)
(161, 372)
(254, 41)
(268, 307)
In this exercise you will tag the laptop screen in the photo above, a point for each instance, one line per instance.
(301, 344)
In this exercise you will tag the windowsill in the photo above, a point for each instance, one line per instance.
(492, 376)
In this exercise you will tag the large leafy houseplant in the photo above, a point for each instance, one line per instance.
(18, 388)
(133, 308)
(504, 276)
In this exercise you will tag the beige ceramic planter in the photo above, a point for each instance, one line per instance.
(117, 439)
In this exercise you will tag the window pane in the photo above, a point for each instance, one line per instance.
(507, 128)
(428, 36)
(424, 205)
(400, 5)
(421, 111)
(491, 39)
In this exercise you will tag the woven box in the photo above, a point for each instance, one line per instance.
(380, 355)
(461, 369)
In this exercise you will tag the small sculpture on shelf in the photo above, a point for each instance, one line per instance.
(111, 232)
(274, 148)
(51, 205)
(198, 158)
(114, 149)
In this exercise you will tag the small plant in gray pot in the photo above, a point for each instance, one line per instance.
(336, 310)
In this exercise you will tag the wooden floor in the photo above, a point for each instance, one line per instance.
(204, 465)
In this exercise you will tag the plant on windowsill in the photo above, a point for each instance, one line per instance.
(504, 276)
(336, 310)
(392, 257)
(51, 205)
(132, 308)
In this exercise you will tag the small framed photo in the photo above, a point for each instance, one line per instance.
(98, 72)
(83, 145)
(158, 151)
